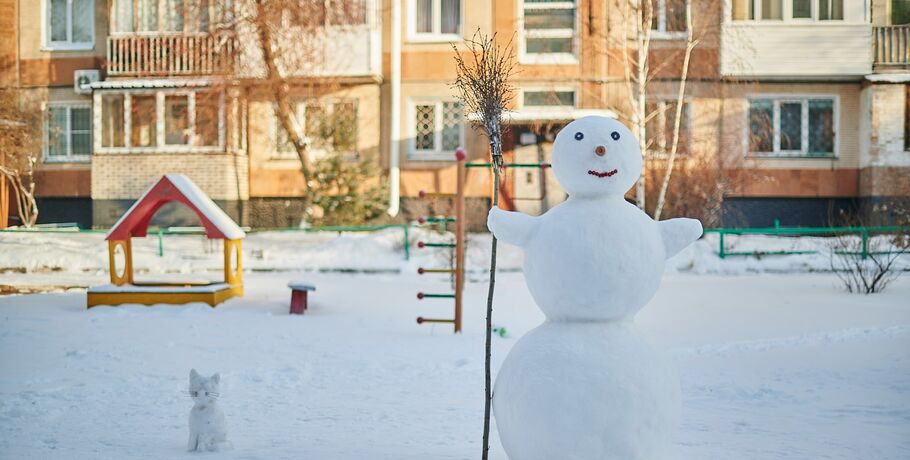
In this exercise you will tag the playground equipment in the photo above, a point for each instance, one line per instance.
(457, 268)
(217, 225)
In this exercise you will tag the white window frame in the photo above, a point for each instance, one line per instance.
(803, 153)
(275, 153)
(558, 89)
(660, 16)
(787, 16)
(435, 36)
(328, 107)
(524, 57)
(437, 154)
(69, 44)
(160, 146)
(69, 157)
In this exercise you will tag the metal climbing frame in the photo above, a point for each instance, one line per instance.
(456, 269)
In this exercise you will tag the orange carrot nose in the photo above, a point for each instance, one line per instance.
(600, 150)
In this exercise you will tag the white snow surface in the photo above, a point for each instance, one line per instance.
(64, 255)
(772, 367)
(775, 360)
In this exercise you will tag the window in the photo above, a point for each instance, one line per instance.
(438, 129)
(148, 15)
(771, 9)
(329, 127)
(344, 130)
(669, 16)
(548, 30)
(900, 12)
(281, 142)
(348, 12)
(558, 98)
(660, 126)
(70, 24)
(435, 18)
(802, 9)
(112, 120)
(804, 127)
(175, 13)
(819, 10)
(176, 120)
(169, 15)
(68, 132)
(207, 117)
(190, 121)
(144, 120)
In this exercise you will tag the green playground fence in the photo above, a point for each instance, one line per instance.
(161, 232)
(722, 252)
(777, 230)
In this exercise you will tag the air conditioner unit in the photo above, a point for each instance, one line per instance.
(83, 78)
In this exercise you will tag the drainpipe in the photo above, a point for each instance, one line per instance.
(395, 125)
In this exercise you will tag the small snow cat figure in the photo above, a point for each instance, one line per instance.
(208, 430)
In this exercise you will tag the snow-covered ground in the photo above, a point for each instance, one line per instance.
(776, 361)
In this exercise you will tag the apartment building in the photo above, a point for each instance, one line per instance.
(809, 96)
(823, 117)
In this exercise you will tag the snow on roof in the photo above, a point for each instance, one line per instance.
(212, 216)
(889, 77)
(548, 114)
(206, 206)
(110, 288)
(151, 83)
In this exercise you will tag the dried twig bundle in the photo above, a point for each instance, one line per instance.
(483, 84)
(485, 90)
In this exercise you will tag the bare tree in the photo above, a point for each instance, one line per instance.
(20, 134)
(287, 52)
(638, 21)
(867, 263)
(867, 266)
(691, 43)
(483, 83)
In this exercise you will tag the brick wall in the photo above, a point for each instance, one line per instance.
(127, 176)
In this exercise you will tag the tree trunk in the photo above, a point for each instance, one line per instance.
(280, 90)
(690, 45)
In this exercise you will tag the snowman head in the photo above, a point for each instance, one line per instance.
(594, 156)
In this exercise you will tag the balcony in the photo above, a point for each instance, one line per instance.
(782, 50)
(892, 48)
(169, 54)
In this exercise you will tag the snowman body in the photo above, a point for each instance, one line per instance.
(584, 384)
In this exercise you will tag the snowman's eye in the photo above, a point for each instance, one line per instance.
(614, 135)
(579, 136)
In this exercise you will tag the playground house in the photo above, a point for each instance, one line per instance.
(124, 289)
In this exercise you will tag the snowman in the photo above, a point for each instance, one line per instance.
(584, 384)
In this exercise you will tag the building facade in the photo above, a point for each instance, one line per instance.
(809, 97)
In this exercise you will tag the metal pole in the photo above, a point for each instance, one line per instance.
(407, 244)
(459, 238)
(721, 251)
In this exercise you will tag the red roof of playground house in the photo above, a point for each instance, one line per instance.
(175, 187)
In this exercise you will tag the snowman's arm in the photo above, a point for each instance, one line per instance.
(679, 233)
(514, 228)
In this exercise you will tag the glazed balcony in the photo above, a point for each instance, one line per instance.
(892, 47)
(169, 54)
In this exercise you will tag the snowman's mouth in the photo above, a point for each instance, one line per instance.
(602, 173)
